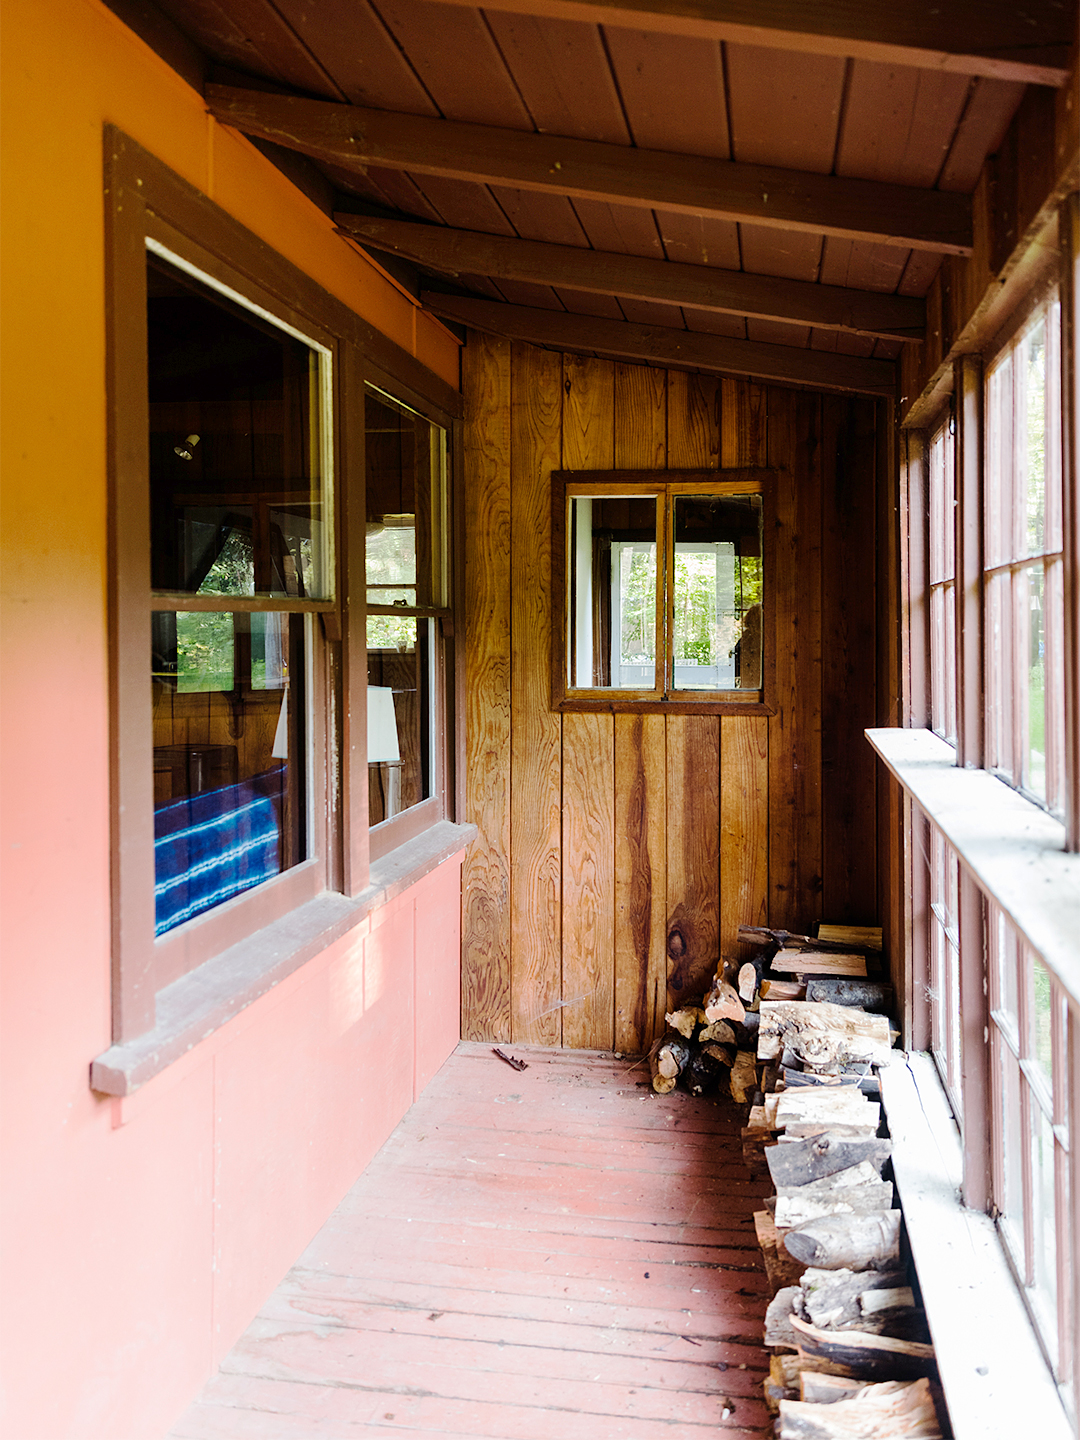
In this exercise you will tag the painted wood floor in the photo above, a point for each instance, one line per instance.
(555, 1254)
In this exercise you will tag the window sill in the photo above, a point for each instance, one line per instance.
(983, 1338)
(193, 1007)
(1014, 851)
(664, 707)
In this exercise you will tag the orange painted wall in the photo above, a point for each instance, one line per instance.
(140, 1235)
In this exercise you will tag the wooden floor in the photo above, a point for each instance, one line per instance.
(556, 1254)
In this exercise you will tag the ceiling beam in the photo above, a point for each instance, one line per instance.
(664, 345)
(587, 169)
(1028, 42)
(729, 292)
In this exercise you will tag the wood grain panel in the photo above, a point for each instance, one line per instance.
(744, 828)
(743, 411)
(794, 630)
(640, 880)
(536, 731)
(485, 980)
(849, 689)
(640, 408)
(693, 420)
(693, 853)
(588, 884)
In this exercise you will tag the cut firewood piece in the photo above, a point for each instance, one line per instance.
(720, 1032)
(748, 1030)
(749, 979)
(823, 1197)
(778, 1331)
(868, 1083)
(743, 1081)
(846, 1104)
(668, 1057)
(854, 1242)
(820, 1388)
(703, 1073)
(780, 1268)
(833, 1299)
(868, 1356)
(782, 990)
(866, 937)
(807, 1160)
(871, 1302)
(809, 1128)
(724, 1054)
(686, 1020)
(787, 940)
(890, 1410)
(857, 1035)
(818, 962)
(872, 995)
(723, 1003)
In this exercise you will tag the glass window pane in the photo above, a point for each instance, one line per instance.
(1035, 707)
(1042, 1190)
(611, 542)
(230, 777)
(1042, 1001)
(1033, 414)
(716, 597)
(400, 732)
(999, 461)
(238, 448)
(406, 505)
(1011, 1202)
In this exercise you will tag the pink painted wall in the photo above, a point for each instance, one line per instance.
(139, 1236)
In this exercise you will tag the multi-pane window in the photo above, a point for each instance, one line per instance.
(1023, 580)
(1030, 1020)
(663, 590)
(945, 1034)
(942, 483)
(407, 596)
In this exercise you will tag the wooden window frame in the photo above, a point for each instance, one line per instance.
(665, 485)
(149, 207)
(941, 577)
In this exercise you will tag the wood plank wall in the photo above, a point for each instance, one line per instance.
(618, 854)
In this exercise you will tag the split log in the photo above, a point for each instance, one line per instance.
(788, 1374)
(868, 1356)
(846, 1104)
(832, 1299)
(868, 1083)
(857, 1035)
(787, 940)
(872, 995)
(859, 937)
(686, 1020)
(782, 990)
(722, 1032)
(778, 1331)
(748, 1030)
(743, 1081)
(822, 1389)
(857, 1242)
(860, 1196)
(806, 1160)
(781, 1269)
(723, 1054)
(843, 1130)
(702, 1074)
(668, 1057)
(892, 1410)
(723, 1003)
(818, 962)
(873, 1301)
(749, 978)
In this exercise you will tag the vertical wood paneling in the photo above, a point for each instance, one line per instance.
(849, 681)
(536, 730)
(743, 409)
(693, 421)
(640, 772)
(794, 629)
(588, 797)
(693, 853)
(485, 980)
(744, 828)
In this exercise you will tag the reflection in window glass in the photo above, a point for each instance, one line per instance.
(406, 506)
(400, 767)
(716, 592)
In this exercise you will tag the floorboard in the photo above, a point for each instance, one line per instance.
(555, 1254)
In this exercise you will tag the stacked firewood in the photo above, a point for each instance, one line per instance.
(851, 1351)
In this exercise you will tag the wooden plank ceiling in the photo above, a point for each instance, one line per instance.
(775, 209)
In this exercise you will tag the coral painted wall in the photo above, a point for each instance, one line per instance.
(140, 1235)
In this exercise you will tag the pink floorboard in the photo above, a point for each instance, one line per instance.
(555, 1254)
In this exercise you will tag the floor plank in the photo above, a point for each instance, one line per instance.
(552, 1253)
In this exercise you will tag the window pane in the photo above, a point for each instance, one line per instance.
(400, 735)
(611, 542)
(1033, 412)
(1043, 1214)
(230, 778)
(1011, 1203)
(237, 448)
(406, 506)
(1042, 1022)
(998, 682)
(716, 595)
(1035, 707)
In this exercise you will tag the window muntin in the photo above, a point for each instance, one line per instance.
(1024, 575)
(687, 625)
(945, 1032)
(239, 489)
(407, 575)
(942, 484)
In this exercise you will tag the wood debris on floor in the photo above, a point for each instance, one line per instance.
(555, 1254)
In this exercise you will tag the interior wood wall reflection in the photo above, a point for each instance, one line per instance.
(618, 854)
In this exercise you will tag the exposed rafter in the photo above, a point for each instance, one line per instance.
(463, 252)
(788, 199)
(662, 344)
(1028, 42)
